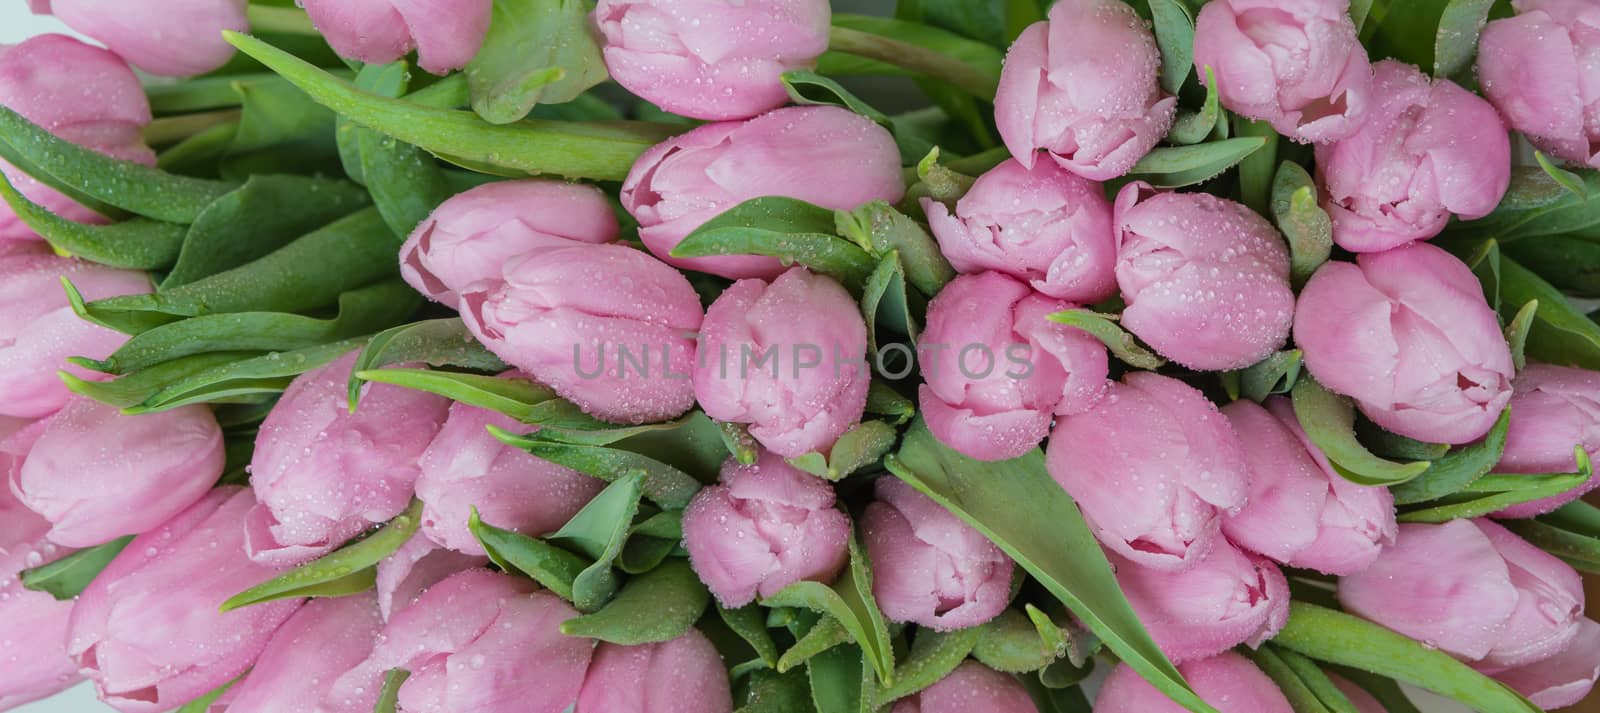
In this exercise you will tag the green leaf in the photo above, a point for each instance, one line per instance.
(67, 577)
(1011, 643)
(406, 183)
(203, 703)
(1538, 205)
(1517, 333)
(1277, 374)
(984, 21)
(598, 532)
(808, 87)
(518, 398)
(881, 229)
(1388, 693)
(208, 377)
(1179, 166)
(884, 300)
(437, 342)
(136, 244)
(1259, 168)
(1457, 470)
(934, 654)
(1571, 264)
(1493, 493)
(1021, 509)
(1359, 10)
(552, 567)
(885, 401)
(1560, 333)
(389, 695)
(794, 231)
(840, 681)
(749, 623)
(1329, 421)
(664, 484)
(1571, 533)
(1194, 127)
(1174, 29)
(1456, 40)
(1307, 226)
(1567, 179)
(1308, 689)
(659, 605)
(822, 636)
(901, 47)
(772, 692)
(858, 448)
(850, 601)
(1119, 341)
(939, 181)
(536, 52)
(347, 570)
(281, 131)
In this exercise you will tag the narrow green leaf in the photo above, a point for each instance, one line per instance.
(859, 447)
(203, 703)
(1456, 41)
(934, 654)
(749, 623)
(1493, 493)
(825, 634)
(1517, 333)
(67, 577)
(836, 681)
(389, 695)
(1458, 469)
(659, 605)
(1257, 170)
(347, 570)
(1119, 341)
(281, 131)
(437, 342)
(1179, 166)
(1388, 693)
(1575, 546)
(772, 692)
(664, 484)
(136, 244)
(885, 301)
(1566, 179)
(939, 181)
(1174, 30)
(517, 398)
(1560, 333)
(406, 183)
(885, 401)
(881, 229)
(552, 567)
(850, 601)
(1359, 10)
(136, 388)
(1329, 421)
(918, 49)
(599, 531)
(1012, 644)
(536, 52)
(780, 227)
(1194, 127)
(737, 439)
(1277, 374)
(808, 87)
(266, 374)
(1305, 224)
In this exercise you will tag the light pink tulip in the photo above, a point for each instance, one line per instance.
(1154, 466)
(1473, 590)
(788, 358)
(1083, 87)
(971, 688)
(445, 33)
(1540, 70)
(763, 528)
(1554, 409)
(710, 59)
(148, 632)
(175, 38)
(324, 474)
(35, 664)
(826, 155)
(998, 370)
(1563, 679)
(1229, 682)
(1044, 225)
(303, 658)
(419, 564)
(1427, 149)
(1301, 513)
(929, 567)
(684, 675)
(1206, 279)
(471, 236)
(1228, 598)
(1296, 64)
(1408, 335)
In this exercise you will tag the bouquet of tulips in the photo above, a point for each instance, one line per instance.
(700, 356)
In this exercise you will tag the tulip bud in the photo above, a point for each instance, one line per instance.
(1296, 64)
(684, 675)
(171, 580)
(302, 659)
(1163, 467)
(763, 528)
(472, 236)
(711, 60)
(1301, 513)
(445, 33)
(1229, 682)
(171, 38)
(38, 329)
(1553, 410)
(1044, 225)
(971, 688)
(929, 567)
(324, 474)
(826, 155)
(420, 563)
(97, 475)
(1206, 279)
(1226, 599)
(998, 369)
(1084, 87)
(1561, 680)
(1408, 335)
(34, 664)
(1473, 590)
(1427, 149)
(1538, 68)
(549, 320)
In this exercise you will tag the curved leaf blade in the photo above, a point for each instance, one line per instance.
(344, 571)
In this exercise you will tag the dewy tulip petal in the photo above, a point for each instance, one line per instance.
(1538, 69)
(1561, 680)
(1228, 681)
(34, 664)
(970, 688)
(445, 33)
(420, 563)
(929, 567)
(175, 38)
(301, 661)
(1226, 599)
(683, 675)
(1553, 410)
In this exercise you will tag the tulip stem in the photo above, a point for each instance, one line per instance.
(280, 20)
(914, 58)
(172, 129)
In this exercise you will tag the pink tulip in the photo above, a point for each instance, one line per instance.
(1408, 335)
(549, 319)
(97, 475)
(419, 564)
(471, 237)
(478, 641)
(1226, 599)
(998, 370)
(929, 567)
(1296, 64)
(324, 474)
(971, 688)
(826, 155)
(1043, 225)
(148, 632)
(1473, 590)
(445, 33)
(1163, 467)
(788, 358)
(684, 675)
(1083, 87)
(1206, 279)
(711, 60)
(80, 93)
(1553, 410)
(1229, 682)
(1538, 69)
(1427, 149)
(1561, 680)
(763, 528)
(1301, 513)
(303, 658)
(35, 663)
(38, 329)
(174, 38)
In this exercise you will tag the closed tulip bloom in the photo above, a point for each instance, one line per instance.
(1164, 467)
(622, 354)
(301, 661)
(1084, 88)
(1554, 409)
(97, 475)
(35, 664)
(323, 474)
(1427, 149)
(420, 563)
(1539, 69)
(174, 38)
(1301, 512)
(1408, 335)
(826, 155)
(971, 688)
(711, 59)
(148, 631)
(1044, 225)
(1473, 590)
(1229, 682)
(1297, 64)
(1228, 598)
(764, 527)
(1561, 680)
(929, 567)
(1206, 279)
(684, 675)
(470, 237)
(445, 33)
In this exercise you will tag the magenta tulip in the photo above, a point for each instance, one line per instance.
(684, 675)
(929, 567)
(826, 155)
(1554, 410)
(1408, 335)
(1538, 69)
(175, 38)
(1229, 682)
(420, 563)
(971, 688)
(445, 33)
(1226, 599)
(1561, 680)
(33, 663)
(305, 656)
